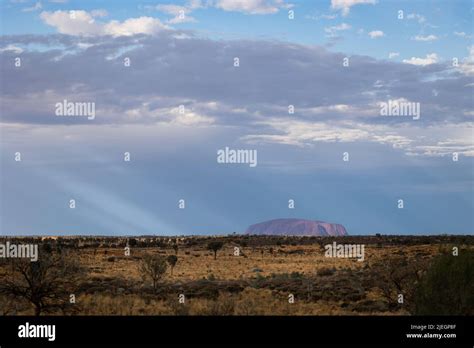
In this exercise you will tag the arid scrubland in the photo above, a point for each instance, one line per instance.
(241, 275)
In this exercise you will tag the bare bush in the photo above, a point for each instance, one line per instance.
(399, 276)
(172, 260)
(153, 267)
(46, 284)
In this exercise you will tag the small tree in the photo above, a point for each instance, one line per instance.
(175, 248)
(46, 283)
(215, 246)
(153, 267)
(172, 260)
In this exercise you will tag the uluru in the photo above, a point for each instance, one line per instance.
(296, 227)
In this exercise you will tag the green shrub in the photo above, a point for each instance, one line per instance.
(448, 286)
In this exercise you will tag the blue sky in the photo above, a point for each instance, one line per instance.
(442, 19)
(188, 60)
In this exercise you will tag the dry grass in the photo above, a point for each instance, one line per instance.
(254, 283)
(229, 267)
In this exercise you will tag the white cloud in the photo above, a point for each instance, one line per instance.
(446, 140)
(462, 34)
(72, 22)
(306, 133)
(425, 38)
(327, 16)
(393, 54)
(429, 59)
(99, 13)
(324, 110)
(193, 115)
(331, 31)
(84, 23)
(37, 6)
(467, 67)
(252, 6)
(416, 16)
(171, 9)
(190, 118)
(132, 26)
(181, 14)
(345, 5)
(375, 34)
(323, 16)
(439, 140)
(11, 48)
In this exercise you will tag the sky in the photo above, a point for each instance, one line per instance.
(164, 85)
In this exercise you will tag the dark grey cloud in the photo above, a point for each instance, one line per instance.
(168, 70)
